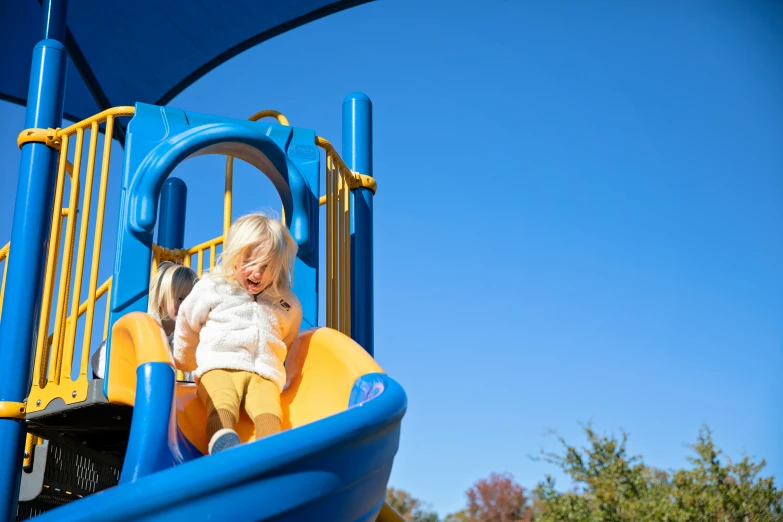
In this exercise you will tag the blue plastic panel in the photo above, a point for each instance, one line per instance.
(158, 139)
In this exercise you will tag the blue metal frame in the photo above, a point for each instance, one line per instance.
(357, 153)
(158, 139)
(29, 238)
(173, 203)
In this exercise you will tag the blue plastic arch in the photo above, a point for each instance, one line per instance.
(159, 138)
(240, 141)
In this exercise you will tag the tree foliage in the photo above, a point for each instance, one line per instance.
(459, 516)
(613, 486)
(497, 499)
(409, 507)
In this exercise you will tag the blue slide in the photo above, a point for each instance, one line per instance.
(327, 466)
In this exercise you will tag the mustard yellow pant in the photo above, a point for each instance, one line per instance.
(223, 392)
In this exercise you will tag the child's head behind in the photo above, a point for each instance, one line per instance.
(259, 254)
(170, 286)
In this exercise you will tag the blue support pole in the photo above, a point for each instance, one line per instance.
(29, 243)
(357, 152)
(173, 199)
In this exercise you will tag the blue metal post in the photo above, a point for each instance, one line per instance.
(173, 199)
(29, 242)
(357, 152)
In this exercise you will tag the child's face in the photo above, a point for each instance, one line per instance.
(173, 306)
(250, 273)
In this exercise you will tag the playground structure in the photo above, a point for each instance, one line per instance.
(133, 444)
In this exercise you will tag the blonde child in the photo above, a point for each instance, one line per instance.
(236, 327)
(168, 288)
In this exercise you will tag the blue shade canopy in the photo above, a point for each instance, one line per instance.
(124, 51)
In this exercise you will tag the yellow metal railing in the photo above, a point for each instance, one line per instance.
(340, 180)
(54, 354)
(338, 240)
(185, 256)
(199, 251)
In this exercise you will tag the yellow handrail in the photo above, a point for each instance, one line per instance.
(339, 181)
(54, 357)
(354, 179)
(52, 137)
(183, 256)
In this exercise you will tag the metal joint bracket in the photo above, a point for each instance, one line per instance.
(363, 181)
(49, 137)
(12, 410)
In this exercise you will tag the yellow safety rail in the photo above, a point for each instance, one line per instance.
(54, 353)
(340, 180)
(338, 240)
(185, 256)
(199, 251)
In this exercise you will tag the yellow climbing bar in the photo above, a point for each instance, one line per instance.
(338, 239)
(61, 306)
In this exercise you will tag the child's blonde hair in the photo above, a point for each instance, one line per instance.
(171, 282)
(278, 251)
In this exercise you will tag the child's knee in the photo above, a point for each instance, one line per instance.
(263, 398)
(218, 392)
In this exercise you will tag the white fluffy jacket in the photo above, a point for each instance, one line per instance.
(221, 326)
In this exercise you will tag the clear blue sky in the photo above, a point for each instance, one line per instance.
(579, 217)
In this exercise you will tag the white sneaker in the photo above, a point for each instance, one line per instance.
(222, 440)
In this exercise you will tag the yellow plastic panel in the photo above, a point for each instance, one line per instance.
(388, 514)
(323, 365)
(136, 339)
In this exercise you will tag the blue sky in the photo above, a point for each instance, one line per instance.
(579, 217)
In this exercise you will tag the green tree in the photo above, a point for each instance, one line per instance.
(409, 507)
(459, 516)
(612, 486)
